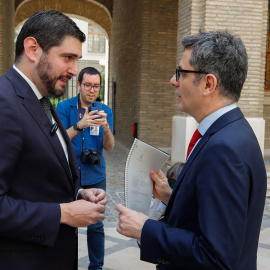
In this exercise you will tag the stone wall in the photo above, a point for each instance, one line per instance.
(247, 19)
(143, 51)
(145, 47)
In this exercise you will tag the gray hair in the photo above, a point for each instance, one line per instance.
(221, 54)
(175, 170)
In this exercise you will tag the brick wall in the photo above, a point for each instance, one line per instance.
(6, 35)
(145, 40)
(142, 67)
(125, 69)
(248, 20)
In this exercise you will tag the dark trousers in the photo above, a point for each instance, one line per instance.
(96, 237)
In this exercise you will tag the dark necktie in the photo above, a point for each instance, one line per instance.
(46, 105)
(196, 136)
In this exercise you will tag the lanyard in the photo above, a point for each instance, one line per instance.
(79, 106)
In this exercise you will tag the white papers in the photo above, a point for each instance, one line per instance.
(141, 160)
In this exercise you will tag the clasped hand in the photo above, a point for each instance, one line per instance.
(87, 210)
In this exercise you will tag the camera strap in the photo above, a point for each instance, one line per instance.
(79, 106)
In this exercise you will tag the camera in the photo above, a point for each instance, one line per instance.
(90, 156)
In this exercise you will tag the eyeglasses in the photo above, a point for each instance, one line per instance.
(88, 87)
(179, 71)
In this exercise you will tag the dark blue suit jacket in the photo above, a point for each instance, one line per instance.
(214, 214)
(34, 178)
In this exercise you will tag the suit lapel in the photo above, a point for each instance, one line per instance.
(71, 154)
(224, 120)
(33, 106)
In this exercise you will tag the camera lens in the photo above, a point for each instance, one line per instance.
(93, 157)
(95, 161)
(90, 156)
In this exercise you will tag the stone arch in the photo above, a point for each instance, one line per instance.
(88, 9)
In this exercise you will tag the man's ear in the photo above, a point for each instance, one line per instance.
(32, 49)
(210, 84)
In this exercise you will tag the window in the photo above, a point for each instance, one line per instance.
(96, 40)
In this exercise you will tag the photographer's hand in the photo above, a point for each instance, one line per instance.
(103, 120)
(89, 119)
(108, 138)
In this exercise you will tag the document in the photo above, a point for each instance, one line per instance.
(141, 160)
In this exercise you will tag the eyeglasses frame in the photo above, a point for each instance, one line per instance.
(179, 70)
(92, 86)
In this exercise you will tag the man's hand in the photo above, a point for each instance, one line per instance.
(130, 222)
(89, 119)
(81, 213)
(94, 195)
(108, 138)
(103, 120)
(94, 118)
(161, 188)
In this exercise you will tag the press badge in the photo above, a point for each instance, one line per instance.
(94, 131)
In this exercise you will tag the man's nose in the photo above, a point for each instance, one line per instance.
(73, 69)
(173, 81)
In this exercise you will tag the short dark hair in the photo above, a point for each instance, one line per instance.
(221, 54)
(49, 28)
(88, 70)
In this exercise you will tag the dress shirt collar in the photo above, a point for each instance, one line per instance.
(32, 85)
(210, 119)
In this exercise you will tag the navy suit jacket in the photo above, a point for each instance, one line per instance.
(214, 215)
(35, 177)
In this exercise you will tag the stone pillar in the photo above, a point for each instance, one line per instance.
(182, 130)
(7, 12)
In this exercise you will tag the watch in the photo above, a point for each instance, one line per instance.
(76, 127)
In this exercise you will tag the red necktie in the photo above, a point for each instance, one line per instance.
(196, 136)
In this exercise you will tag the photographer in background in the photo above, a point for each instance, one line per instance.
(90, 131)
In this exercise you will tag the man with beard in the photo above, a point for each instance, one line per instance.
(40, 201)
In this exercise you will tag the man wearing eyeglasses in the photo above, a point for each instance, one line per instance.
(90, 131)
(214, 213)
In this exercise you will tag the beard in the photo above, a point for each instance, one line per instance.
(48, 78)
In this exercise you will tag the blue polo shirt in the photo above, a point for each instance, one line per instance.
(68, 113)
